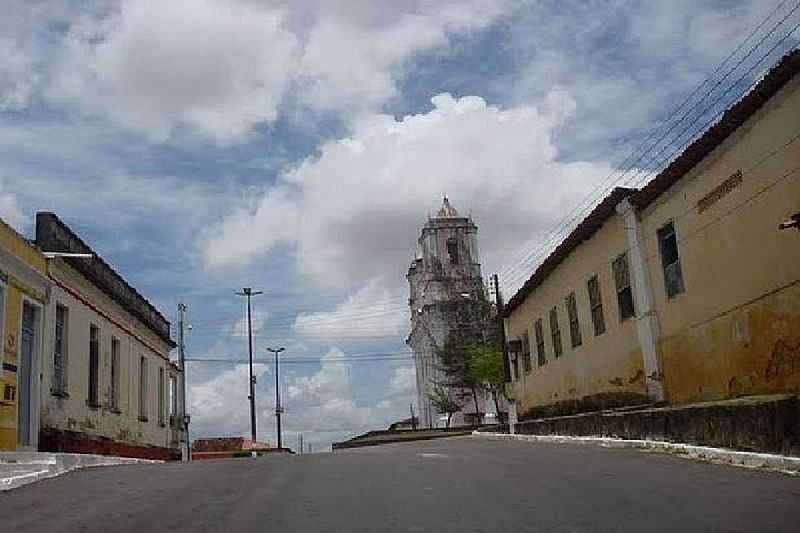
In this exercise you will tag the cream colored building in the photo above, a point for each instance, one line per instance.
(686, 290)
(108, 384)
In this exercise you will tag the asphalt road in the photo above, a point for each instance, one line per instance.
(460, 484)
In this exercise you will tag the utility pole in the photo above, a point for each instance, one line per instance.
(249, 292)
(184, 417)
(278, 409)
(498, 299)
(301, 444)
(413, 419)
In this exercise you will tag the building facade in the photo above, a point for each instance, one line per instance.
(24, 294)
(108, 385)
(445, 285)
(683, 291)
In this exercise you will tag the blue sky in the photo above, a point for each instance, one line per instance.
(296, 147)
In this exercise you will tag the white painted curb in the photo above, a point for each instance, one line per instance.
(55, 464)
(768, 461)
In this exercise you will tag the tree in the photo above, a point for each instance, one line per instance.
(454, 364)
(486, 366)
(444, 403)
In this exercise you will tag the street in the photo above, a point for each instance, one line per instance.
(459, 484)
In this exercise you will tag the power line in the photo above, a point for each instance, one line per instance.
(566, 222)
(303, 362)
(786, 175)
(705, 125)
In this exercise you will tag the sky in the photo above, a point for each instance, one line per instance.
(202, 146)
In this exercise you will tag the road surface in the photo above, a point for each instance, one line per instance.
(460, 484)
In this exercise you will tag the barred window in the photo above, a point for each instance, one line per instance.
(574, 325)
(540, 355)
(59, 385)
(668, 245)
(142, 389)
(526, 352)
(94, 366)
(596, 306)
(115, 368)
(515, 365)
(555, 333)
(622, 281)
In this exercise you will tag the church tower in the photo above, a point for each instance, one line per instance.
(445, 275)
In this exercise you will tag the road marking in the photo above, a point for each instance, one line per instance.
(432, 455)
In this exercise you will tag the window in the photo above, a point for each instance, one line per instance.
(514, 349)
(526, 352)
(538, 331)
(115, 368)
(596, 306)
(668, 245)
(161, 402)
(515, 365)
(622, 281)
(574, 325)
(143, 389)
(452, 250)
(555, 333)
(59, 385)
(94, 366)
(173, 396)
(2, 310)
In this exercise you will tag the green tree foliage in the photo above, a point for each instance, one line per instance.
(486, 366)
(445, 403)
(454, 365)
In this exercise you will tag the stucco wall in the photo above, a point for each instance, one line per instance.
(609, 363)
(739, 312)
(72, 413)
(23, 278)
(735, 330)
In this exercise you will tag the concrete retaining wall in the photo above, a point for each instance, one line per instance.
(757, 423)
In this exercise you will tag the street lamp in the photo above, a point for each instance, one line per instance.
(278, 409)
(248, 292)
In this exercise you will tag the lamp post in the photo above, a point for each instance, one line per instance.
(248, 292)
(278, 409)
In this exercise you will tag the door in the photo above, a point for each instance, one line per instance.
(27, 351)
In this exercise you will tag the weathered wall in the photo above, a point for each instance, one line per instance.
(608, 364)
(436, 283)
(23, 278)
(70, 417)
(736, 328)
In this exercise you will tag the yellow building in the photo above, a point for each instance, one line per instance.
(24, 291)
(685, 290)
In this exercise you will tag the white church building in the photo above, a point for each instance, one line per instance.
(444, 277)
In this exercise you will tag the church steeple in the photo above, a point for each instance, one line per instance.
(447, 210)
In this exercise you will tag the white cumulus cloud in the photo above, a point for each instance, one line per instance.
(372, 312)
(216, 68)
(359, 205)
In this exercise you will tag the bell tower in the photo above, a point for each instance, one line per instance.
(445, 272)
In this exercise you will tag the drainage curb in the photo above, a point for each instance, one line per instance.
(767, 461)
(61, 463)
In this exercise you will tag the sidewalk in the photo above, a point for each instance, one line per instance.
(774, 462)
(20, 468)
